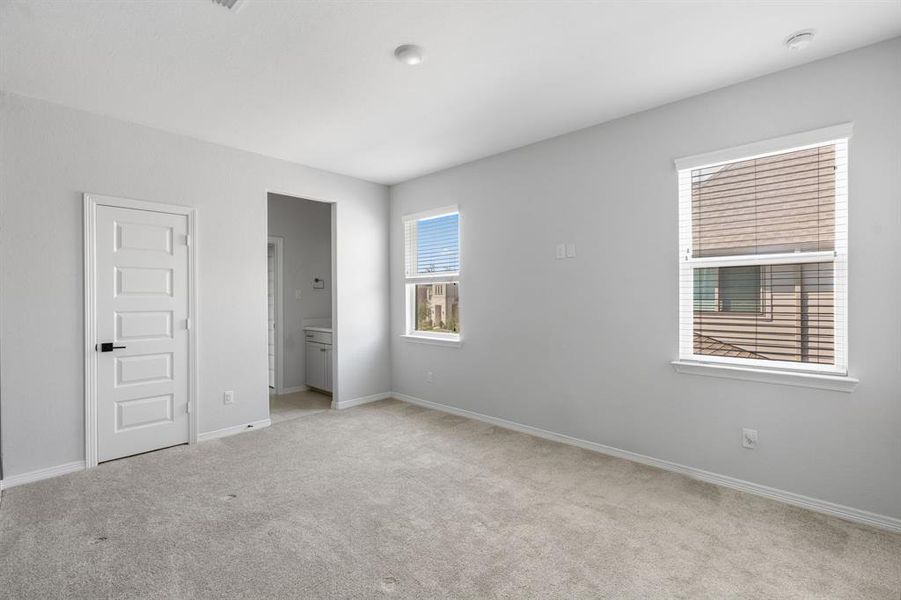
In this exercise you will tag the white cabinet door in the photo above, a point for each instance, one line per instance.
(327, 367)
(314, 365)
(319, 366)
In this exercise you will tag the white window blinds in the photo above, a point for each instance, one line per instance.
(763, 258)
(432, 245)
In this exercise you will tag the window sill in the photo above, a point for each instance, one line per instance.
(435, 341)
(838, 383)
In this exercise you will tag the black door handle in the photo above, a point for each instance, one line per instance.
(107, 347)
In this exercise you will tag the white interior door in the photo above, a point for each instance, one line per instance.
(142, 309)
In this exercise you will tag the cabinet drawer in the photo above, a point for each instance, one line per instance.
(320, 337)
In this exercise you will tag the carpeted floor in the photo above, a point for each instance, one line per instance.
(391, 500)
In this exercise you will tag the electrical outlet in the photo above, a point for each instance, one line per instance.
(297, 294)
(228, 397)
(429, 377)
(749, 438)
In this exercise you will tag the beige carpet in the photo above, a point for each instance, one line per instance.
(394, 501)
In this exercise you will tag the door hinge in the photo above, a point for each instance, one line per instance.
(187, 240)
(188, 324)
(188, 408)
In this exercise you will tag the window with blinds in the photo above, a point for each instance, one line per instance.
(432, 273)
(763, 257)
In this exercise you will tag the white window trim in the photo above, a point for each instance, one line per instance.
(795, 141)
(833, 377)
(821, 381)
(434, 339)
(411, 279)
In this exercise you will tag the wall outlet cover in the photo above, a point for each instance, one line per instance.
(228, 397)
(749, 438)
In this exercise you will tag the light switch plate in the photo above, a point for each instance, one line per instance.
(570, 250)
(297, 294)
(561, 251)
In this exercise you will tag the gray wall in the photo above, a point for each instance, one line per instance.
(583, 346)
(306, 227)
(49, 156)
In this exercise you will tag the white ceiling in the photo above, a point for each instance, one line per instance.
(316, 82)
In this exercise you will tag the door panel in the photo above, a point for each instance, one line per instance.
(143, 369)
(141, 412)
(135, 281)
(145, 325)
(142, 304)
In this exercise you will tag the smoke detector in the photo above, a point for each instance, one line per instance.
(233, 5)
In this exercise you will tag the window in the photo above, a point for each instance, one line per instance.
(432, 273)
(763, 254)
(740, 289)
(727, 289)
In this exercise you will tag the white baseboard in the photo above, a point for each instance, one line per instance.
(341, 404)
(227, 431)
(821, 506)
(292, 390)
(23, 478)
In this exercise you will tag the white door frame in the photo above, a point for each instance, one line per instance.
(91, 203)
(279, 243)
(334, 282)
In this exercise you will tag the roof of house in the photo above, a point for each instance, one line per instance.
(709, 345)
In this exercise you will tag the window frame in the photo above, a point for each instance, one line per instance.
(724, 301)
(412, 278)
(717, 302)
(688, 361)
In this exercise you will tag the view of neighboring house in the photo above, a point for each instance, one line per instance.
(776, 204)
(437, 307)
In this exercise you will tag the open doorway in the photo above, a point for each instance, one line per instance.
(301, 319)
